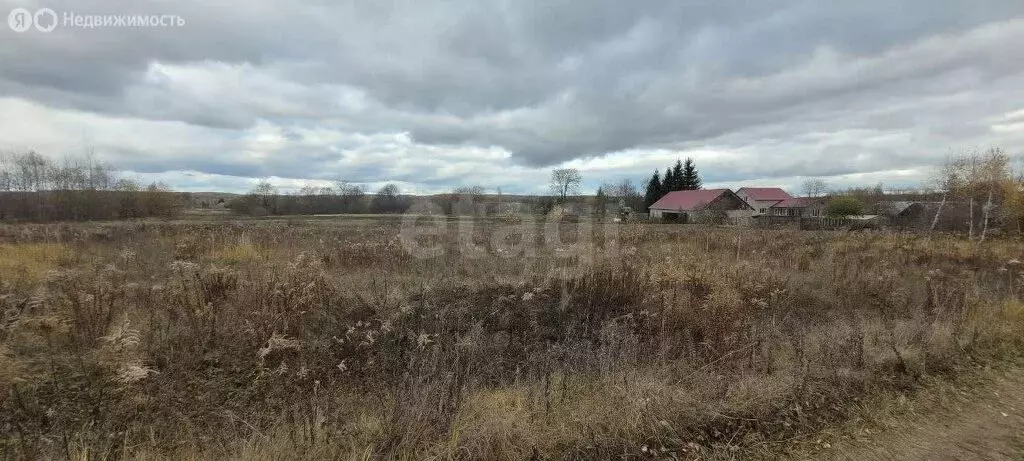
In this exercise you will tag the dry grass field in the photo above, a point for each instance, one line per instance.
(330, 339)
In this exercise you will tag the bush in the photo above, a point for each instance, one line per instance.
(841, 207)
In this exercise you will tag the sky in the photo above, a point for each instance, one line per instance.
(433, 95)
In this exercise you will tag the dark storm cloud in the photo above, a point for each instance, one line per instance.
(548, 81)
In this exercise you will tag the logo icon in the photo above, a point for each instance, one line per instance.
(20, 19)
(42, 14)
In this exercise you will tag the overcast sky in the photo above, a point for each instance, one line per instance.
(432, 95)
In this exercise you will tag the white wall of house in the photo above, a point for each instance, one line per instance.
(812, 211)
(658, 214)
(760, 206)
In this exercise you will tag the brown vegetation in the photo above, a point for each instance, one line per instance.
(329, 340)
(34, 188)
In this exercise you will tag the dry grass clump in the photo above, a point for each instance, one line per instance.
(27, 262)
(240, 252)
(328, 340)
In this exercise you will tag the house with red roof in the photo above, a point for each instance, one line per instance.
(702, 205)
(761, 199)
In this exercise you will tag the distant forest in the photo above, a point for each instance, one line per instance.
(344, 198)
(37, 189)
(34, 188)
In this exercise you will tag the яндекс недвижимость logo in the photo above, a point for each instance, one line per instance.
(46, 20)
(22, 19)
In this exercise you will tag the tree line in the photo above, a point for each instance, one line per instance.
(34, 188)
(342, 198)
(681, 176)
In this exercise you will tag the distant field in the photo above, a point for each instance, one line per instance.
(227, 214)
(338, 337)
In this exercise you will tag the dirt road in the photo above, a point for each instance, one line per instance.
(986, 424)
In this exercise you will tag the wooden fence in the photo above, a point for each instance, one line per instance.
(812, 223)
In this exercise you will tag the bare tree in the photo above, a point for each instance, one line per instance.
(814, 187)
(564, 182)
(351, 197)
(472, 191)
(625, 193)
(948, 180)
(264, 189)
(266, 194)
(467, 198)
(979, 178)
(461, 200)
(997, 174)
(938, 212)
(387, 200)
(158, 200)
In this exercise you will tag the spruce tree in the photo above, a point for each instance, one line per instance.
(677, 176)
(654, 190)
(689, 178)
(667, 182)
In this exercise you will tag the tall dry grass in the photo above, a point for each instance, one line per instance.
(279, 340)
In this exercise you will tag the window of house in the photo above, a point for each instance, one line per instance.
(763, 210)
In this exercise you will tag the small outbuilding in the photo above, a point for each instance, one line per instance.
(949, 216)
(799, 207)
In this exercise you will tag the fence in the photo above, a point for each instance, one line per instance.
(815, 223)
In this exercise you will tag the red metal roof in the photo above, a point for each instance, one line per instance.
(688, 200)
(796, 202)
(764, 193)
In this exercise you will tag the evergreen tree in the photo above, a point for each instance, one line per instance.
(668, 182)
(600, 205)
(654, 190)
(677, 176)
(689, 178)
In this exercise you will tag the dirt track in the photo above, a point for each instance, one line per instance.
(987, 425)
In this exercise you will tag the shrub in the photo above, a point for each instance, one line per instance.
(841, 207)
